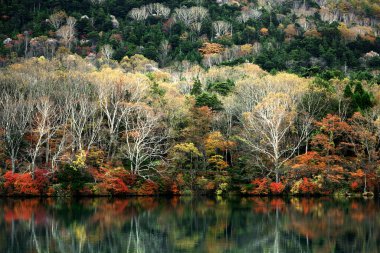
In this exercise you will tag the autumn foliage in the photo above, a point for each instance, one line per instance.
(276, 188)
(259, 186)
(148, 188)
(24, 184)
(211, 48)
(129, 128)
(307, 187)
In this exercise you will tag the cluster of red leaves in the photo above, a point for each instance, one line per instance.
(276, 188)
(148, 188)
(354, 186)
(113, 181)
(115, 186)
(307, 165)
(260, 186)
(307, 187)
(102, 173)
(174, 189)
(41, 180)
(24, 184)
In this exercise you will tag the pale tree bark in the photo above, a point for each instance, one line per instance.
(85, 123)
(139, 14)
(365, 139)
(67, 32)
(313, 104)
(189, 16)
(15, 117)
(246, 15)
(267, 130)
(97, 2)
(269, 108)
(144, 141)
(158, 10)
(221, 28)
(107, 52)
(115, 98)
(114, 108)
(42, 128)
(57, 19)
(61, 142)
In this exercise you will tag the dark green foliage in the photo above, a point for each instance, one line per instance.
(210, 100)
(304, 55)
(222, 88)
(72, 178)
(374, 62)
(156, 92)
(360, 98)
(197, 88)
(331, 74)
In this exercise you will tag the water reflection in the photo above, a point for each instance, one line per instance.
(189, 225)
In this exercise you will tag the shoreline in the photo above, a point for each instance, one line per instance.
(369, 195)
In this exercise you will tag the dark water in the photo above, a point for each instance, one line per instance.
(189, 225)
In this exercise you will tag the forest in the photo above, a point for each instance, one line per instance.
(113, 97)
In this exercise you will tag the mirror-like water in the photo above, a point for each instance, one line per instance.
(189, 225)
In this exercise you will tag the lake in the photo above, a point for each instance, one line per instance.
(185, 224)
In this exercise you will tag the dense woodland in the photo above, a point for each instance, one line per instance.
(107, 97)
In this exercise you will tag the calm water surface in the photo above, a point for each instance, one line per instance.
(189, 225)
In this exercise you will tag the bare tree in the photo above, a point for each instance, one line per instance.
(268, 128)
(107, 52)
(313, 103)
(158, 10)
(183, 15)
(199, 13)
(71, 21)
(97, 2)
(59, 142)
(144, 141)
(271, 125)
(196, 27)
(84, 123)
(221, 28)
(246, 15)
(15, 116)
(191, 15)
(57, 19)
(139, 14)
(67, 32)
(115, 91)
(42, 128)
(365, 140)
(114, 107)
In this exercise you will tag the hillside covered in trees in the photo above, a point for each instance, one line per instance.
(112, 97)
(304, 37)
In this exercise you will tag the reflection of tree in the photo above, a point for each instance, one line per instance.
(265, 230)
(188, 225)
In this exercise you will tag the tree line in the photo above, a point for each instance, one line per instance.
(68, 127)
